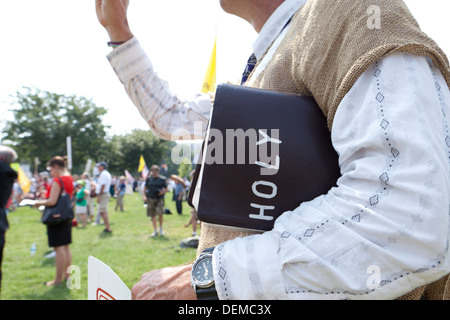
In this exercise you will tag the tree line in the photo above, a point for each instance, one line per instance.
(43, 120)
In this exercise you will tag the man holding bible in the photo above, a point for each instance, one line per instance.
(382, 84)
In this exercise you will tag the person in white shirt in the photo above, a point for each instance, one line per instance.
(364, 239)
(103, 194)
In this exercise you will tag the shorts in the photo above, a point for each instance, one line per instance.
(194, 214)
(80, 209)
(155, 207)
(103, 203)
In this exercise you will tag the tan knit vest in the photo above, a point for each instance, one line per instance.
(328, 46)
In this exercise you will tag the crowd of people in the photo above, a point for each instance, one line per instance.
(85, 191)
(90, 196)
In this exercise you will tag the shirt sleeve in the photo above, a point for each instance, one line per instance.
(168, 116)
(101, 181)
(383, 231)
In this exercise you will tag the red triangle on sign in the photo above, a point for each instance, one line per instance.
(103, 295)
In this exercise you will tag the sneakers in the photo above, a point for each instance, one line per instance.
(155, 233)
(50, 255)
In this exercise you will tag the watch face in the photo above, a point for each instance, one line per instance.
(202, 272)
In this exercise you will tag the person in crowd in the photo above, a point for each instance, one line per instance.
(7, 178)
(193, 221)
(17, 193)
(154, 190)
(59, 236)
(120, 193)
(81, 202)
(90, 202)
(43, 186)
(382, 85)
(112, 187)
(103, 193)
(178, 193)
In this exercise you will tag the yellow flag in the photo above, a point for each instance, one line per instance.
(141, 164)
(210, 78)
(24, 181)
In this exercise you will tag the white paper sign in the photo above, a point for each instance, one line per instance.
(27, 202)
(104, 283)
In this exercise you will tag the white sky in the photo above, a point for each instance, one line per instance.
(59, 46)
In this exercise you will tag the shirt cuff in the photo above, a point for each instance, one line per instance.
(129, 60)
(238, 265)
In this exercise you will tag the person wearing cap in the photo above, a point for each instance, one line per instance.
(81, 202)
(103, 195)
(154, 189)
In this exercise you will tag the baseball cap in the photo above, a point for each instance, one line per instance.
(102, 163)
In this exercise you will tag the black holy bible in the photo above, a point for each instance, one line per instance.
(264, 153)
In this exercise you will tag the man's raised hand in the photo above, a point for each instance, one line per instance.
(112, 15)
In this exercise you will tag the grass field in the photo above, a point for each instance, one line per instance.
(130, 250)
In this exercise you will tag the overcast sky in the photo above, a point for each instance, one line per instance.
(59, 46)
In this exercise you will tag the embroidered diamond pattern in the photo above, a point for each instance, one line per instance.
(384, 177)
(377, 72)
(356, 218)
(373, 200)
(447, 140)
(384, 124)
(222, 273)
(384, 282)
(309, 232)
(379, 97)
(395, 152)
(438, 87)
(285, 234)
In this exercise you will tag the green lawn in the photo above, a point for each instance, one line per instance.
(129, 250)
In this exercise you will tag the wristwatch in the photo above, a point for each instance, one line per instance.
(202, 277)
